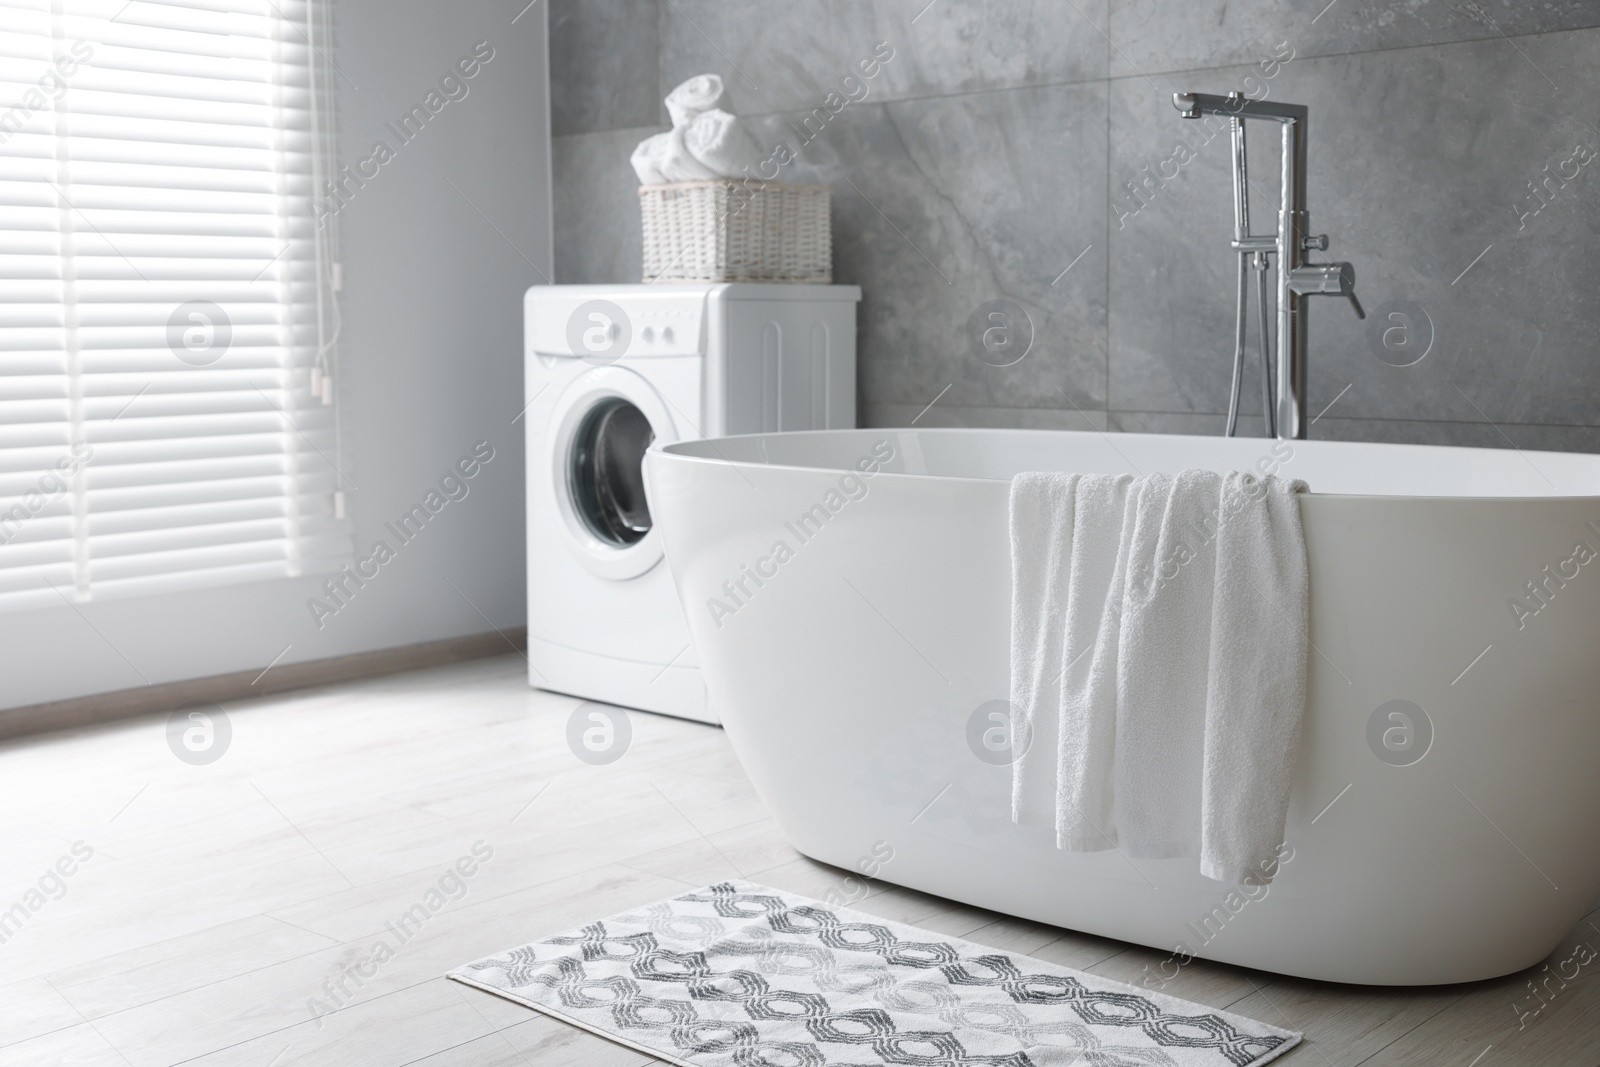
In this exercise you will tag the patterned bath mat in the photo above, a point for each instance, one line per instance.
(740, 975)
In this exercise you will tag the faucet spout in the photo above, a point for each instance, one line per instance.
(1236, 105)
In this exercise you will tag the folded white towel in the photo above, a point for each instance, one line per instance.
(1158, 656)
(1163, 665)
(1105, 507)
(721, 145)
(666, 158)
(1065, 541)
(1256, 695)
(1042, 528)
(700, 93)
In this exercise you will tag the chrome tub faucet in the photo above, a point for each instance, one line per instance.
(1285, 406)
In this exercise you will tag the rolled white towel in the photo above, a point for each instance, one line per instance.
(678, 164)
(666, 158)
(721, 143)
(646, 159)
(700, 93)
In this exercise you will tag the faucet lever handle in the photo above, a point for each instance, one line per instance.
(1347, 286)
(1356, 304)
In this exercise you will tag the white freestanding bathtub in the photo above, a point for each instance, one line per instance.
(848, 593)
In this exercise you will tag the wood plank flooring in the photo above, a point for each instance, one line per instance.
(223, 910)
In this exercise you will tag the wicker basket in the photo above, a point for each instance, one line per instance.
(736, 231)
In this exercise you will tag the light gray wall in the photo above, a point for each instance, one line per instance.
(997, 146)
(430, 363)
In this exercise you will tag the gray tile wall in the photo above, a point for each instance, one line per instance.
(1029, 152)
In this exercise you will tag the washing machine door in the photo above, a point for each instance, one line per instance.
(601, 426)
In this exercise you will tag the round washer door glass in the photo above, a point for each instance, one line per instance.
(607, 472)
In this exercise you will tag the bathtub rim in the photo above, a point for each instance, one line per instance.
(678, 450)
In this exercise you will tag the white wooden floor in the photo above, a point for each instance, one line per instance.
(219, 899)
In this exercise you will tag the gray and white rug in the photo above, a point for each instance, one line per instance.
(741, 975)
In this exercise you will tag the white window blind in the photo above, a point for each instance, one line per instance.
(166, 313)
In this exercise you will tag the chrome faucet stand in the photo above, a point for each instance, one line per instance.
(1285, 405)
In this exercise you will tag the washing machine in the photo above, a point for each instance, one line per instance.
(611, 370)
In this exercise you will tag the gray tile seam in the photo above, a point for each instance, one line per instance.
(1110, 79)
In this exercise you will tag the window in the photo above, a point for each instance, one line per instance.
(166, 299)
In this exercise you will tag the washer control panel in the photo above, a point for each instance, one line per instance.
(667, 327)
(604, 324)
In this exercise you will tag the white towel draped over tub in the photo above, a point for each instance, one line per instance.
(1158, 656)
